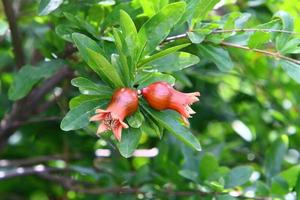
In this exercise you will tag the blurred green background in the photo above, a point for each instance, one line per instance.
(247, 119)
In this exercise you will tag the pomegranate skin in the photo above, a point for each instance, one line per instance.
(124, 102)
(161, 96)
(157, 95)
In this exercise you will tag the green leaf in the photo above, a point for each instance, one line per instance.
(218, 55)
(258, 38)
(292, 46)
(88, 87)
(287, 25)
(151, 128)
(130, 33)
(129, 142)
(208, 166)
(124, 57)
(78, 117)
(297, 187)
(76, 101)
(202, 7)
(188, 174)
(279, 186)
(174, 62)
(29, 75)
(157, 28)
(150, 8)
(91, 53)
(81, 25)
(196, 37)
(275, 155)
(290, 175)
(162, 54)
(292, 69)
(171, 121)
(154, 77)
(65, 31)
(238, 176)
(100, 63)
(48, 6)
(136, 120)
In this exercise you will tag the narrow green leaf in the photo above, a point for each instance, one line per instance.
(171, 121)
(287, 25)
(258, 38)
(76, 101)
(162, 54)
(292, 69)
(238, 176)
(290, 175)
(86, 44)
(88, 87)
(136, 120)
(202, 8)
(29, 75)
(100, 63)
(48, 6)
(129, 142)
(208, 166)
(218, 55)
(130, 33)
(197, 10)
(196, 37)
(78, 117)
(275, 155)
(150, 8)
(189, 174)
(297, 187)
(154, 77)
(174, 62)
(157, 28)
(279, 186)
(124, 57)
(292, 46)
(151, 128)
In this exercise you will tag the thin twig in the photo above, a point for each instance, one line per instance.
(268, 53)
(255, 29)
(15, 35)
(34, 160)
(69, 183)
(26, 171)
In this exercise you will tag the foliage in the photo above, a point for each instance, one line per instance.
(243, 56)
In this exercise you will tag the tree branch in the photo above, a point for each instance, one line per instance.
(227, 44)
(23, 109)
(254, 30)
(268, 53)
(15, 35)
(34, 160)
(91, 188)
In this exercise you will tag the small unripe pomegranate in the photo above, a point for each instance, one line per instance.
(161, 96)
(124, 102)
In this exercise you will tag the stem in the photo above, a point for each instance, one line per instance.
(268, 53)
(16, 39)
(253, 30)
